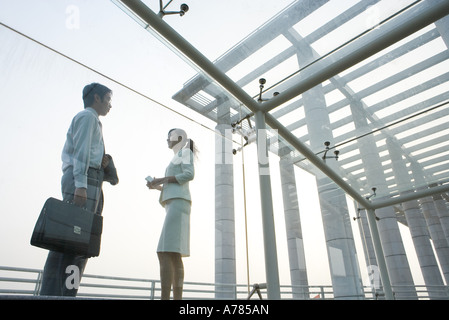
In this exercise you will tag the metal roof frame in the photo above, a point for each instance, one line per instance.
(328, 67)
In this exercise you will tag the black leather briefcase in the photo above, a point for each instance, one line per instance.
(67, 228)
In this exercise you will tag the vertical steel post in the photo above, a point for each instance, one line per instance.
(271, 263)
(225, 261)
(379, 255)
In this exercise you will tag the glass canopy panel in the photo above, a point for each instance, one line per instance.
(399, 96)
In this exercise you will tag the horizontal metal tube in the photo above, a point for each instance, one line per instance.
(424, 14)
(317, 161)
(409, 196)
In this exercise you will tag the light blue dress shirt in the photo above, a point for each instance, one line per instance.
(84, 147)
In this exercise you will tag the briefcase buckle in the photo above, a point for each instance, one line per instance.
(76, 229)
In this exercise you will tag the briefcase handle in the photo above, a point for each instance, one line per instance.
(72, 203)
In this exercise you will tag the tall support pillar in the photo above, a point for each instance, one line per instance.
(395, 256)
(424, 251)
(225, 261)
(442, 26)
(340, 244)
(365, 234)
(344, 268)
(269, 236)
(418, 229)
(442, 211)
(436, 232)
(297, 259)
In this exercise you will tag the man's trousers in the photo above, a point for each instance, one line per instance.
(63, 272)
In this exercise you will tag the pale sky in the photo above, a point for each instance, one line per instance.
(41, 92)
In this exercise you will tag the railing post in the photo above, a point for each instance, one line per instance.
(153, 284)
(37, 287)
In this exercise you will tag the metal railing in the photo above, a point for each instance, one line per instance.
(25, 282)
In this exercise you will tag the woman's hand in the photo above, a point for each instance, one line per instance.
(150, 186)
(155, 184)
(158, 181)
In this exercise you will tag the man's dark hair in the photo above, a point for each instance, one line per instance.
(90, 90)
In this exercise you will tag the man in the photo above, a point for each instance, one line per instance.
(83, 166)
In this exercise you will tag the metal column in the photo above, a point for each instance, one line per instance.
(225, 260)
(340, 243)
(271, 263)
(418, 228)
(436, 232)
(397, 262)
(368, 248)
(295, 244)
(443, 213)
(379, 255)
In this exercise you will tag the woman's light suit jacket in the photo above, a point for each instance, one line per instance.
(181, 167)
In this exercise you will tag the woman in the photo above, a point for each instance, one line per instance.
(174, 242)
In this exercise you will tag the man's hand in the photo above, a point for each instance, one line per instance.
(104, 161)
(80, 197)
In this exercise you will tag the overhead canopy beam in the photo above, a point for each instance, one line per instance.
(376, 40)
(377, 204)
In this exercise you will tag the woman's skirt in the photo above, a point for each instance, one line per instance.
(175, 235)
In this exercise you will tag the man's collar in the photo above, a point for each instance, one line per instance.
(94, 112)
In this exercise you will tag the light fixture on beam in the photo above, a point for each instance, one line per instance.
(182, 10)
(325, 156)
(262, 81)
